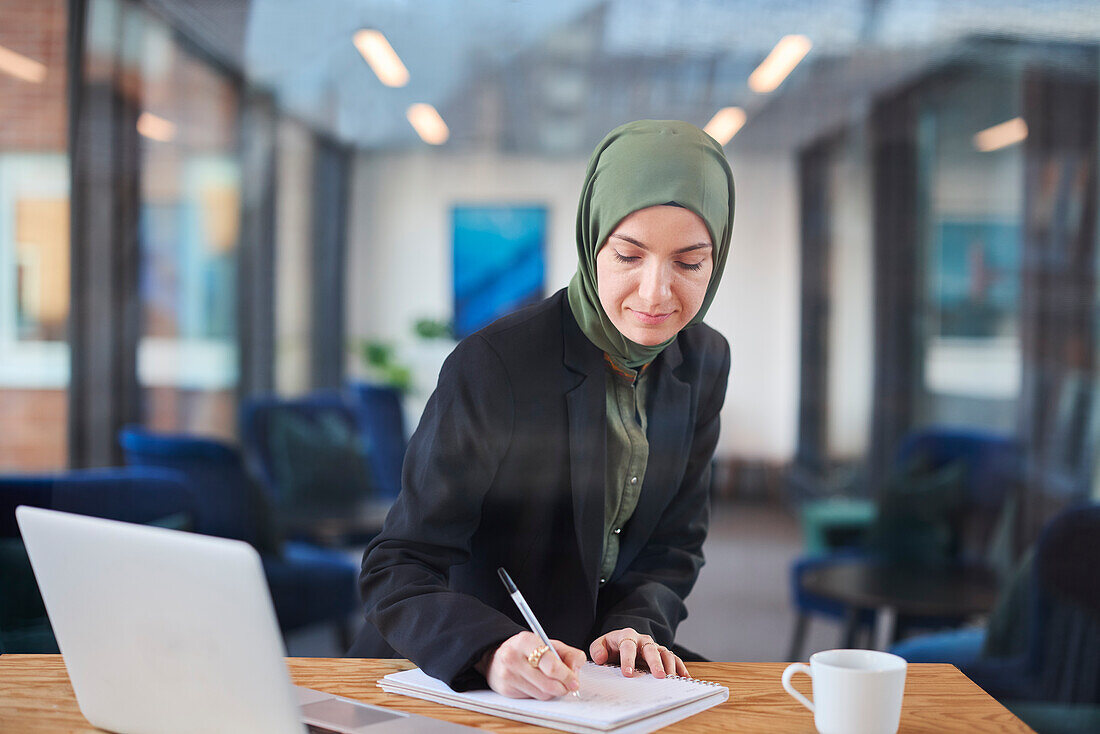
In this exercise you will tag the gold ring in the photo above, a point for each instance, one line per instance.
(651, 642)
(535, 655)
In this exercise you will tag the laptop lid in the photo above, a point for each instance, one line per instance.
(162, 632)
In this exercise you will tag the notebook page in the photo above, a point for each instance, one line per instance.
(607, 700)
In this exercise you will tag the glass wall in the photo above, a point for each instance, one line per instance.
(189, 226)
(34, 236)
(970, 224)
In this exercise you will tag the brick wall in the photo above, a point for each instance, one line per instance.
(33, 430)
(33, 117)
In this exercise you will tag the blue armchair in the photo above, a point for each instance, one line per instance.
(987, 466)
(296, 447)
(309, 585)
(153, 496)
(310, 455)
(382, 423)
(1040, 652)
(229, 504)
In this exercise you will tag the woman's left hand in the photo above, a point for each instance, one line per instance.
(631, 649)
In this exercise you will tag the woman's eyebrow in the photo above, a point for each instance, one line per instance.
(689, 248)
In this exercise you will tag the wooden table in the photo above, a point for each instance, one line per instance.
(35, 696)
(895, 590)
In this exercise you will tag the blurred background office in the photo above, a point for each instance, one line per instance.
(238, 238)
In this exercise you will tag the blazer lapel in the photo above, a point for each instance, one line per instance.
(586, 401)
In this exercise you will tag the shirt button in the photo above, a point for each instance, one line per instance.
(634, 480)
(617, 531)
(603, 581)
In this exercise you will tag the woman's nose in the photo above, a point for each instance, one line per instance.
(656, 284)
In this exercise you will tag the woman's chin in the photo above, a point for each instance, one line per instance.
(649, 337)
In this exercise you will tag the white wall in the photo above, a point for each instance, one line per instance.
(293, 258)
(757, 308)
(851, 321)
(399, 269)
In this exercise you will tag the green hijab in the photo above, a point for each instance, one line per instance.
(638, 165)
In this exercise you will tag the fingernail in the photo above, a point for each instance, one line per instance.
(574, 684)
(628, 670)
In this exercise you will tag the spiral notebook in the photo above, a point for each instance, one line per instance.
(608, 702)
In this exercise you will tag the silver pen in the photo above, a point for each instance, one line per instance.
(532, 622)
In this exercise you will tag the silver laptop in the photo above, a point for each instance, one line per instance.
(165, 632)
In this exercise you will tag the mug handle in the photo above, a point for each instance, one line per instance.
(788, 674)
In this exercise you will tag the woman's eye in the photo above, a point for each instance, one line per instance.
(690, 266)
(625, 258)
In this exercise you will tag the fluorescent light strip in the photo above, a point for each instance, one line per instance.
(383, 60)
(725, 124)
(428, 124)
(21, 67)
(1001, 136)
(780, 62)
(156, 128)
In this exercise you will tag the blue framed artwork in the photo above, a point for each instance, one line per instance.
(499, 262)
(976, 282)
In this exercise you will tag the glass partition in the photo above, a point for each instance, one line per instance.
(189, 226)
(970, 215)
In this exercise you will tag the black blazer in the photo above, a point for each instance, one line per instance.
(507, 469)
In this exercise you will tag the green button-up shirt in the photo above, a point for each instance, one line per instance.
(627, 456)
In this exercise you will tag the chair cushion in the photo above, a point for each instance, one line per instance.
(918, 514)
(310, 585)
(958, 647)
(318, 461)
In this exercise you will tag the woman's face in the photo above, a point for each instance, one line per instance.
(653, 271)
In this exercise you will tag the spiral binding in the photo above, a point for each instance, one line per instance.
(700, 681)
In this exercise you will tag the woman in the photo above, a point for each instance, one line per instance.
(570, 443)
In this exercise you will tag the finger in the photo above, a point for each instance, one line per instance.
(533, 684)
(543, 687)
(600, 650)
(652, 655)
(558, 672)
(507, 676)
(668, 661)
(514, 676)
(628, 651)
(681, 669)
(573, 658)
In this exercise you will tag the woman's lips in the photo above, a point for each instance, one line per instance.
(650, 319)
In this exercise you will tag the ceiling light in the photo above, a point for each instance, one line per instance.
(21, 67)
(725, 124)
(1001, 136)
(383, 60)
(156, 128)
(428, 124)
(780, 62)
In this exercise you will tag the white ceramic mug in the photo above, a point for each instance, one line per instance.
(855, 691)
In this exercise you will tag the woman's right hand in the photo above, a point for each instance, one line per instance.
(510, 674)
